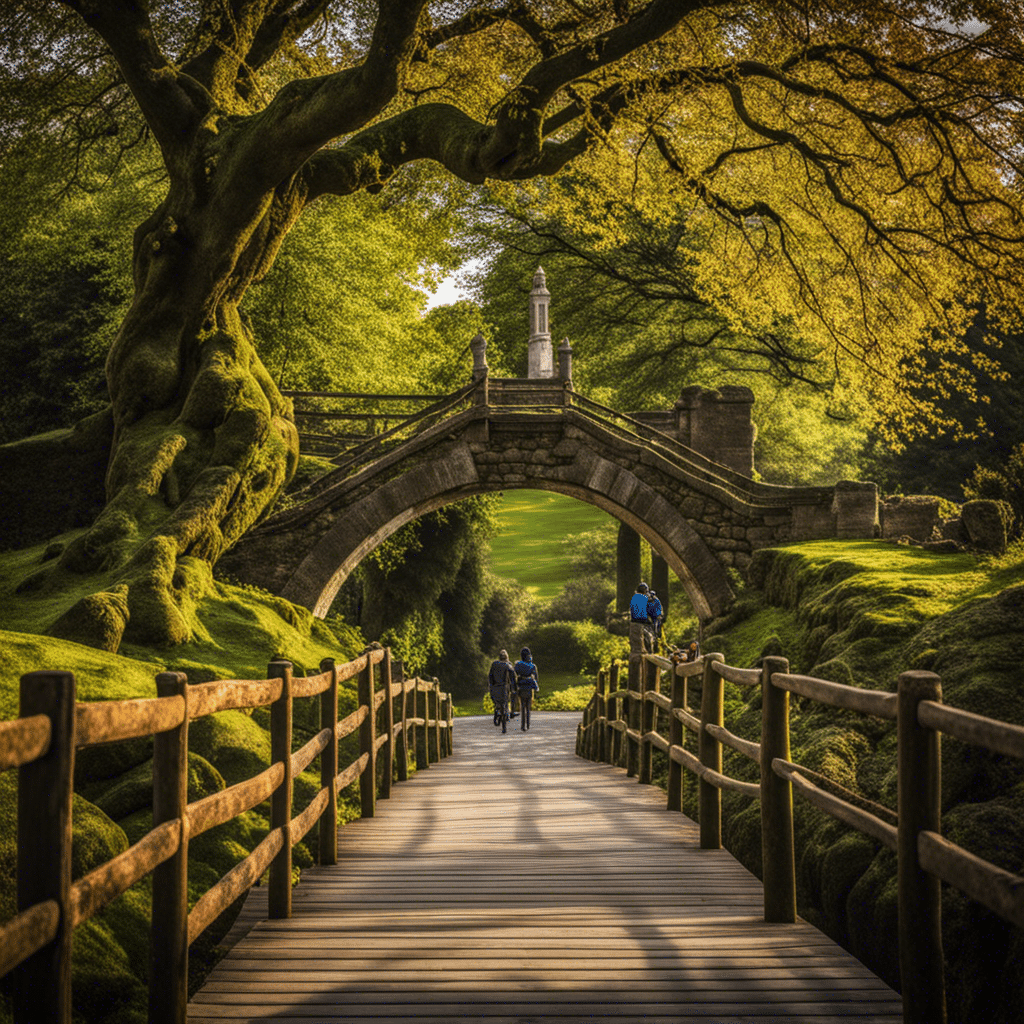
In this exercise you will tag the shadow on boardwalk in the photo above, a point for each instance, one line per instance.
(515, 883)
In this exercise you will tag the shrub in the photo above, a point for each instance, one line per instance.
(1004, 483)
(582, 647)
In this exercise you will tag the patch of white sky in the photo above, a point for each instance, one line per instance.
(454, 287)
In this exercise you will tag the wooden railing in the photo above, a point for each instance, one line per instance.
(396, 720)
(620, 726)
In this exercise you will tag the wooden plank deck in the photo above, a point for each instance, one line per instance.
(515, 883)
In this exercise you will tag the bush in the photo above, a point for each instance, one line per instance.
(581, 647)
(1003, 483)
(584, 599)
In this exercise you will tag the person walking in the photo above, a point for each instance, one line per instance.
(500, 680)
(528, 683)
(655, 615)
(639, 628)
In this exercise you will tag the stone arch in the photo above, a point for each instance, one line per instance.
(453, 474)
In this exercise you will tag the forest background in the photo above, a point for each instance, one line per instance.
(347, 306)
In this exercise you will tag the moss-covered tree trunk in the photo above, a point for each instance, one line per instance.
(203, 441)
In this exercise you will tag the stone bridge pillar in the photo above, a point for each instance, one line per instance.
(718, 424)
(659, 580)
(627, 566)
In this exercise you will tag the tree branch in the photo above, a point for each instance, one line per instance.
(171, 103)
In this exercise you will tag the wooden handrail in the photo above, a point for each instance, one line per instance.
(35, 945)
(924, 857)
(23, 740)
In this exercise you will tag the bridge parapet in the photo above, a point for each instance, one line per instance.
(705, 519)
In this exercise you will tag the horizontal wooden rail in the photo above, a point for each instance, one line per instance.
(217, 808)
(302, 823)
(746, 747)
(999, 737)
(350, 723)
(23, 740)
(26, 933)
(999, 890)
(691, 761)
(840, 809)
(305, 755)
(838, 695)
(36, 943)
(739, 676)
(352, 772)
(91, 893)
(231, 695)
(113, 720)
(924, 857)
(242, 877)
(311, 686)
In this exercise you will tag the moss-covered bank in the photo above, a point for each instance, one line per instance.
(242, 629)
(860, 613)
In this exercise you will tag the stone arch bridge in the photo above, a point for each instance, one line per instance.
(702, 516)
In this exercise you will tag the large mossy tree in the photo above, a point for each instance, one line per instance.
(260, 107)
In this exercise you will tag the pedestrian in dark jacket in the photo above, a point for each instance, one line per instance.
(500, 680)
(528, 683)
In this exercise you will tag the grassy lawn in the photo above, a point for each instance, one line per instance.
(530, 544)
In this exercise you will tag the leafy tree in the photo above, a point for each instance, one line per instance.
(986, 427)
(425, 590)
(847, 167)
(505, 615)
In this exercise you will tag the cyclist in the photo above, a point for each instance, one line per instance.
(500, 680)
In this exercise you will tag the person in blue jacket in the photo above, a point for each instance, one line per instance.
(528, 683)
(640, 639)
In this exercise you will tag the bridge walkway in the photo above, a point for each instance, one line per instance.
(515, 883)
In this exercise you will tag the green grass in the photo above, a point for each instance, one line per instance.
(530, 546)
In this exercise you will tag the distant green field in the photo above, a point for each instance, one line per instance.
(528, 547)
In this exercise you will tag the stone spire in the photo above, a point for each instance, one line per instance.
(540, 356)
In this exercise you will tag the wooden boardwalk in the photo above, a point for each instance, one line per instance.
(515, 883)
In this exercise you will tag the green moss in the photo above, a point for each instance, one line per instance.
(95, 837)
(233, 743)
(134, 790)
(102, 980)
(842, 866)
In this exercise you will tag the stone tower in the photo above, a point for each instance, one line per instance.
(540, 355)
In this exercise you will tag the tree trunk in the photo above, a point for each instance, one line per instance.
(203, 441)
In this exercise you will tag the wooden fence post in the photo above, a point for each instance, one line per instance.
(437, 719)
(449, 717)
(919, 893)
(424, 737)
(389, 724)
(416, 732)
(42, 982)
(778, 859)
(279, 892)
(614, 736)
(367, 743)
(633, 710)
(648, 719)
(595, 739)
(328, 834)
(676, 738)
(402, 747)
(168, 936)
(710, 752)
